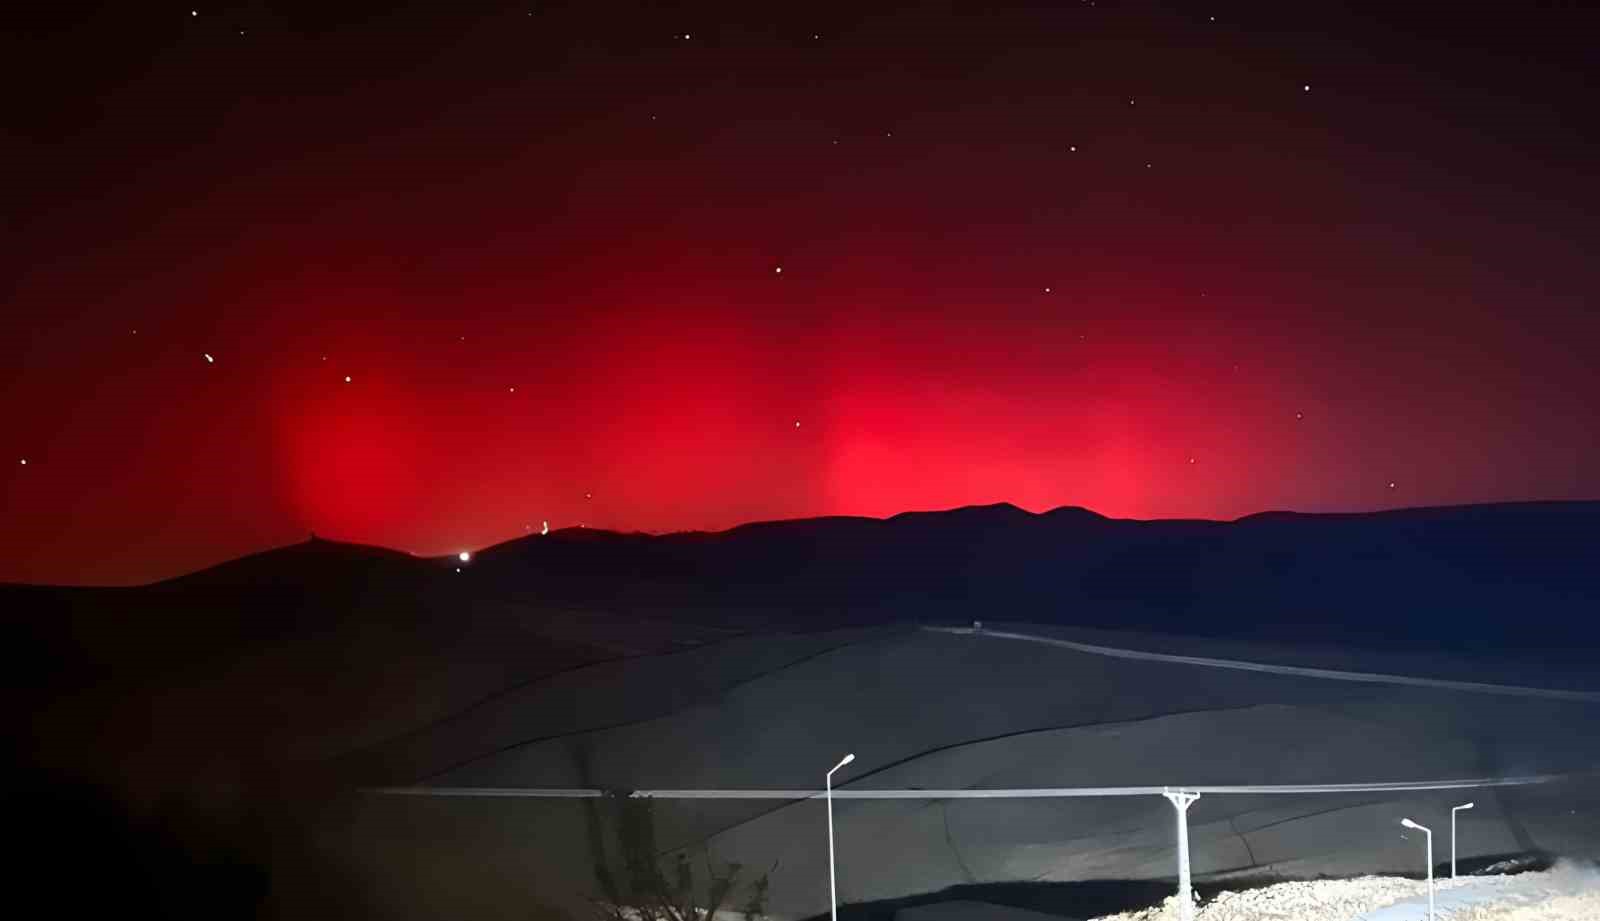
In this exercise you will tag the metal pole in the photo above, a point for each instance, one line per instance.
(1430, 873)
(1181, 801)
(1453, 837)
(1429, 832)
(833, 890)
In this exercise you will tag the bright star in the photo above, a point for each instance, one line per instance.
(209, 359)
(347, 378)
(464, 556)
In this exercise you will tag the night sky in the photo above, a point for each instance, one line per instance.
(432, 275)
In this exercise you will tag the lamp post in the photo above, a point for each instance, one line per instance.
(1453, 812)
(1429, 832)
(833, 891)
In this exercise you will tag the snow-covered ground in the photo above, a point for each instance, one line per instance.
(1564, 893)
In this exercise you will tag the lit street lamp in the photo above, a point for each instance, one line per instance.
(833, 891)
(1453, 836)
(1429, 832)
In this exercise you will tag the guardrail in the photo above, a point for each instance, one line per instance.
(1181, 798)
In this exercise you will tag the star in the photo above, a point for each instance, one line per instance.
(194, 13)
(512, 389)
(1073, 148)
(347, 378)
(1299, 415)
(1147, 166)
(588, 495)
(24, 462)
(797, 424)
(1391, 484)
(209, 359)
(1305, 88)
(1191, 460)
(464, 556)
(136, 332)
(778, 270)
(1047, 290)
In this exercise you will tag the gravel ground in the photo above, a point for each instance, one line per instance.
(1565, 893)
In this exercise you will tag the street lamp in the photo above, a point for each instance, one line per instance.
(1429, 832)
(1453, 836)
(833, 891)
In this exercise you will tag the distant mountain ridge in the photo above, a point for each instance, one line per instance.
(1524, 575)
(1489, 572)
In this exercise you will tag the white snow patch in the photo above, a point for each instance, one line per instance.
(1564, 893)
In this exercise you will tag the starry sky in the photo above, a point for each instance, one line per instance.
(431, 275)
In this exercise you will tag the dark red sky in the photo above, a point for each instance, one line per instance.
(1115, 255)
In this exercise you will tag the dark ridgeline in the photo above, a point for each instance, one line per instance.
(1477, 580)
(1489, 579)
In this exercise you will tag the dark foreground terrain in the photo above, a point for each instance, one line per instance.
(192, 748)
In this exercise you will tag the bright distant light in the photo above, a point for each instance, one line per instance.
(209, 359)
(1306, 88)
(24, 462)
(464, 556)
(194, 12)
(544, 528)
(778, 270)
(347, 378)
